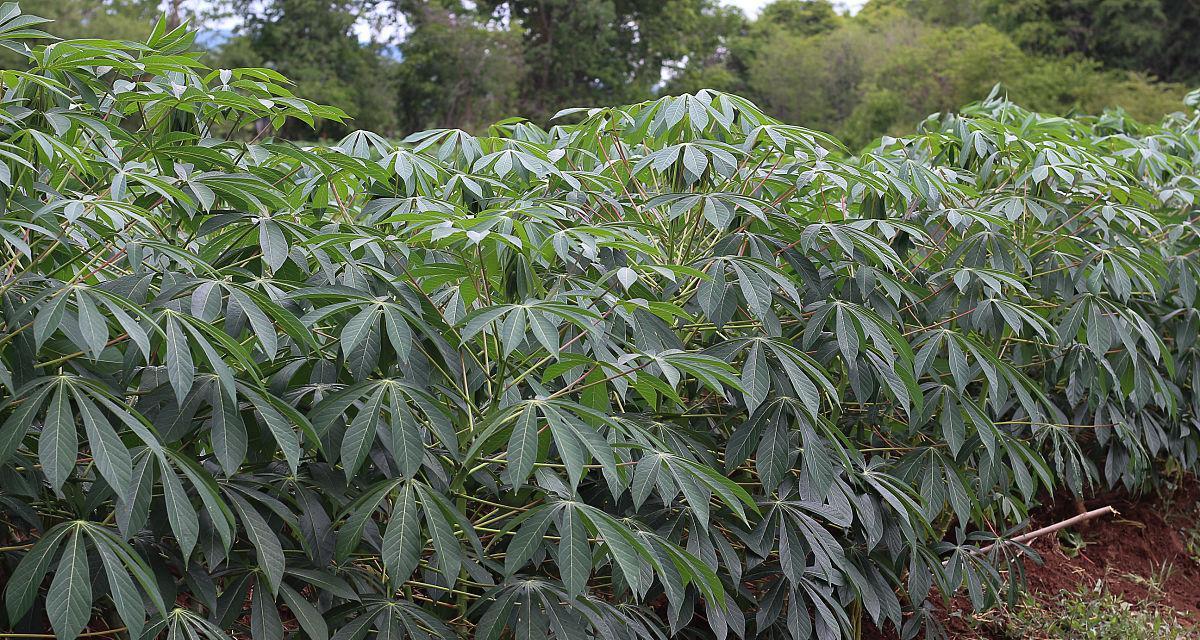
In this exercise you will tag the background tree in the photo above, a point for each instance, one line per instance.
(118, 19)
(604, 51)
(798, 17)
(402, 65)
(712, 60)
(457, 70)
(1127, 34)
(1158, 37)
(1180, 54)
(313, 43)
(897, 61)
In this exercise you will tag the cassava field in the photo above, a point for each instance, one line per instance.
(673, 369)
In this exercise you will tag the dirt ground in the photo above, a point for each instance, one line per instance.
(1141, 554)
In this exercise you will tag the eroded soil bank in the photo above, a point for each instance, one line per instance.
(1146, 559)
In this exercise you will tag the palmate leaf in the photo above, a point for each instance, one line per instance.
(392, 619)
(576, 440)
(628, 551)
(541, 607)
(266, 545)
(23, 587)
(511, 323)
(69, 596)
(183, 623)
(385, 401)
(58, 444)
(418, 515)
(228, 432)
(69, 600)
(181, 370)
(402, 541)
(108, 451)
(574, 552)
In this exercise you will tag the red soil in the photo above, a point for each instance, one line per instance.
(1148, 537)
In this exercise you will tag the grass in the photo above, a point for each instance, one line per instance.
(1093, 614)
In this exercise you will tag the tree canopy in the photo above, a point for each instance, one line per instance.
(399, 66)
(896, 61)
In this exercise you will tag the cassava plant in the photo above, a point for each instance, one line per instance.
(673, 370)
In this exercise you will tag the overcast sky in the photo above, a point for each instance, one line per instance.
(751, 6)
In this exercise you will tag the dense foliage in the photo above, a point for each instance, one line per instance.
(674, 369)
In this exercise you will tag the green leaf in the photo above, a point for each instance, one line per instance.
(58, 445)
(645, 476)
(120, 586)
(310, 618)
(357, 628)
(228, 433)
(279, 426)
(358, 328)
(48, 319)
(756, 378)
(92, 325)
(133, 507)
(627, 551)
(512, 332)
(774, 454)
(185, 524)
(264, 329)
(109, 453)
(407, 445)
(133, 563)
(219, 515)
(180, 370)
(447, 551)
(15, 428)
(357, 441)
(69, 599)
(574, 555)
(273, 244)
(545, 330)
(522, 447)
(265, 623)
(266, 545)
(25, 580)
(399, 333)
(402, 540)
(528, 538)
